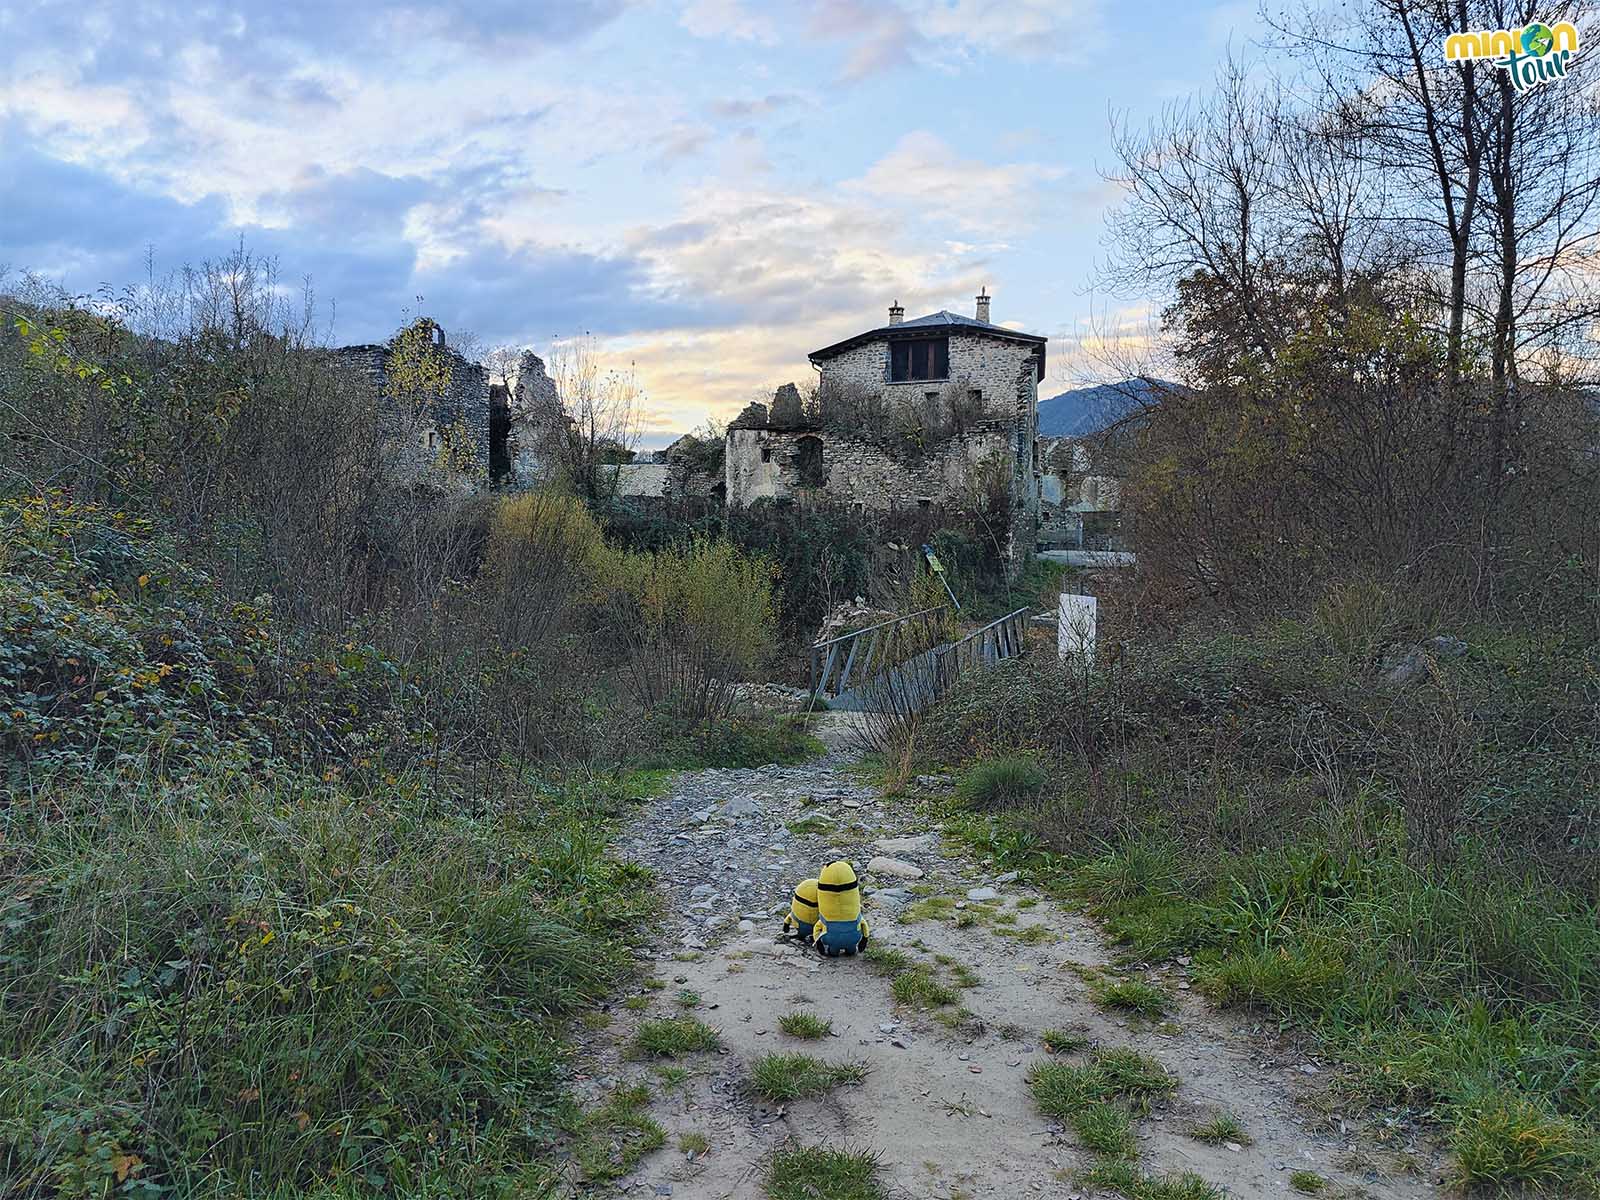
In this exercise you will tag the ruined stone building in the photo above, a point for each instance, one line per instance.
(444, 435)
(1080, 494)
(936, 411)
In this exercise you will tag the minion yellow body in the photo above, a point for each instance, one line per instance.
(802, 914)
(839, 929)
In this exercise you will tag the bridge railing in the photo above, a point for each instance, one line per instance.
(897, 664)
(864, 654)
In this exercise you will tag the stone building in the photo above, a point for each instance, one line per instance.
(445, 436)
(1080, 494)
(939, 410)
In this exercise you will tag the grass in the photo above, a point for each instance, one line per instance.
(823, 1173)
(689, 999)
(1130, 995)
(805, 1026)
(887, 959)
(1220, 1129)
(917, 987)
(674, 1037)
(1002, 782)
(781, 1077)
(1063, 1041)
(1510, 1140)
(693, 1143)
(965, 976)
(609, 1141)
(1125, 1177)
(1062, 1090)
(1028, 935)
(672, 1076)
(1456, 971)
(940, 908)
(811, 824)
(1105, 1127)
(1307, 1182)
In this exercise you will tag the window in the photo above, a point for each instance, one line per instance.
(926, 358)
(766, 454)
(430, 440)
(808, 463)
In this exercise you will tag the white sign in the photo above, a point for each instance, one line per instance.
(1075, 632)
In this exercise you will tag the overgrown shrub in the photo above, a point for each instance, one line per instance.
(1002, 782)
(697, 620)
(321, 985)
(1398, 866)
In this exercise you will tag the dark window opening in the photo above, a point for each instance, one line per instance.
(927, 358)
(499, 434)
(766, 454)
(808, 463)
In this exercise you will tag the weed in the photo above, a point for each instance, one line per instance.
(918, 988)
(809, 1172)
(610, 1140)
(689, 999)
(887, 959)
(804, 1025)
(674, 1037)
(1002, 782)
(1104, 1127)
(693, 1143)
(1130, 995)
(782, 1077)
(1307, 1182)
(1219, 1129)
(1508, 1140)
(1125, 1177)
(637, 1003)
(811, 823)
(1062, 1041)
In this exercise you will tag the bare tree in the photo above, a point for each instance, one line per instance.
(597, 426)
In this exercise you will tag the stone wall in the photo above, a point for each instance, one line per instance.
(767, 464)
(985, 364)
(413, 437)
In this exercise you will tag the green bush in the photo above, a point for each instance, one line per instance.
(114, 652)
(1410, 872)
(320, 984)
(1003, 782)
(697, 620)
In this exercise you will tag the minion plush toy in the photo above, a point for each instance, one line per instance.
(802, 914)
(840, 929)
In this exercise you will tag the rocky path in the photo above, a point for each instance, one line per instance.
(945, 1103)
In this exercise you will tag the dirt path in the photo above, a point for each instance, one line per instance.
(945, 1104)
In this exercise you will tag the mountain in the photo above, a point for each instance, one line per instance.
(1090, 409)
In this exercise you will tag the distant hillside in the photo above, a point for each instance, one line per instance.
(1090, 409)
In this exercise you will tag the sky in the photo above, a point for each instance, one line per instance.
(711, 189)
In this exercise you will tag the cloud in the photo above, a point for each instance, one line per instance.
(924, 176)
(350, 236)
(727, 19)
(883, 35)
(743, 110)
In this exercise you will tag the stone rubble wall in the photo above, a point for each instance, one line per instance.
(404, 436)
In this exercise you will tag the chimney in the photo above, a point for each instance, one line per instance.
(983, 305)
(896, 313)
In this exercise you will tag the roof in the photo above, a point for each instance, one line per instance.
(941, 320)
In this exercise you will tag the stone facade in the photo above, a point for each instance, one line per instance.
(1080, 503)
(992, 372)
(445, 437)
